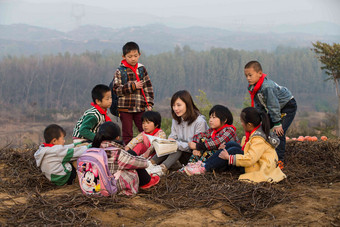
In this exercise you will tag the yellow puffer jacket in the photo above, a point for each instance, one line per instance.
(259, 160)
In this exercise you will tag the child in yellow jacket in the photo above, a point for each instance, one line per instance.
(257, 155)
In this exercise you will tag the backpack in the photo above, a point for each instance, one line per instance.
(123, 73)
(94, 175)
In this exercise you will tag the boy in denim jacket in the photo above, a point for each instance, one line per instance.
(277, 101)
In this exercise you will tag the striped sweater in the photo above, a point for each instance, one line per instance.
(87, 126)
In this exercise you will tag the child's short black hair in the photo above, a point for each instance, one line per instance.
(223, 113)
(154, 117)
(53, 131)
(98, 92)
(130, 46)
(255, 65)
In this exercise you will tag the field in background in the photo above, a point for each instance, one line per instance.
(18, 130)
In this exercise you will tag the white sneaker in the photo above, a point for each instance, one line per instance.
(150, 167)
(150, 163)
(155, 170)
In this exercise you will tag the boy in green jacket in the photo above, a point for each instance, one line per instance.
(87, 126)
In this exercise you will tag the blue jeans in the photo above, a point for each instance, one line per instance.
(289, 110)
(219, 164)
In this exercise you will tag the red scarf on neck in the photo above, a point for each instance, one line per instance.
(48, 145)
(134, 69)
(154, 132)
(107, 118)
(215, 131)
(248, 135)
(256, 88)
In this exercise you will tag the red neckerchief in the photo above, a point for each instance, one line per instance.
(256, 88)
(248, 135)
(134, 70)
(107, 118)
(48, 145)
(154, 132)
(215, 131)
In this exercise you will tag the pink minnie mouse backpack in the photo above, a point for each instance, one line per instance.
(94, 175)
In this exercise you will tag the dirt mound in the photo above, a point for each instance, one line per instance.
(309, 196)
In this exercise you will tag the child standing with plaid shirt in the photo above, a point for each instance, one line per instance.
(133, 86)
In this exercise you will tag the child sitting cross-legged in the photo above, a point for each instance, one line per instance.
(54, 158)
(221, 131)
(127, 167)
(151, 123)
(257, 156)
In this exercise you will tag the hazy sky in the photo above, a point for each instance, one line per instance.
(249, 11)
(213, 13)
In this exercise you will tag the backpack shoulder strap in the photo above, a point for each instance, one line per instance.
(123, 73)
(141, 72)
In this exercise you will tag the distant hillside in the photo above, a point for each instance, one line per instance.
(323, 28)
(23, 39)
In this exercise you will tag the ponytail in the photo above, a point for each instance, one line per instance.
(265, 123)
(98, 139)
(107, 131)
(253, 116)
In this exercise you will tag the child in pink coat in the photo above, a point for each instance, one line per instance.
(151, 123)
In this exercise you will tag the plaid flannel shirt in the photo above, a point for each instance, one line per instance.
(125, 165)
(225, 135)
(131, 99)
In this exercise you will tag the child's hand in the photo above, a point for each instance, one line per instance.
(126, 148)
(139, 84)
(196, 152)
(224, 154)
(222, 146)
(192, 145)
(149, 108)
(278, 130)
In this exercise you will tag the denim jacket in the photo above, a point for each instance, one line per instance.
(271, 98)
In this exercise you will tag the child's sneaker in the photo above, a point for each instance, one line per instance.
(198, 163)
(194, 170)
(181, 170)
(156, 170)
(150, 163)
(280, 164)
(190, 164)
(153, 181)
(150, 168)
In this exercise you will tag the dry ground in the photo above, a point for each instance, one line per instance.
(309, 197)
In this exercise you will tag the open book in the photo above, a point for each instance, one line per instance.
(163, 146)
